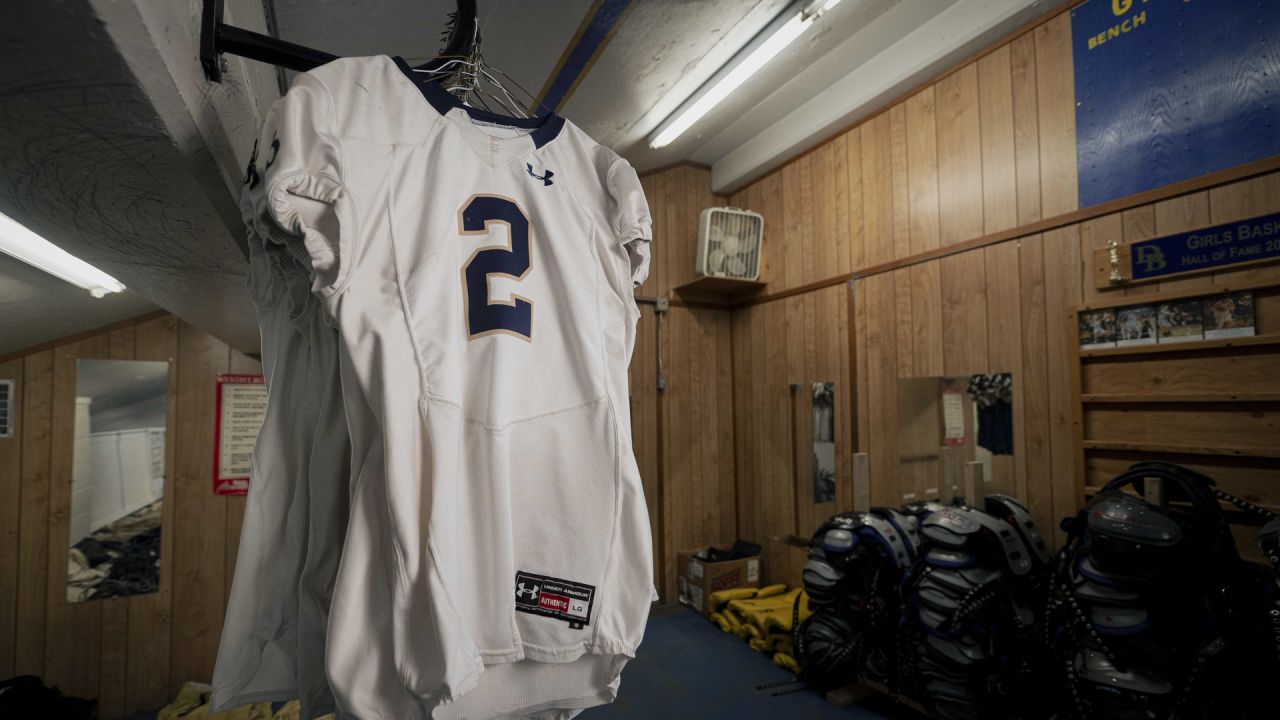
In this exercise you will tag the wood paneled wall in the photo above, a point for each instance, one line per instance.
(799, 340)
(683, 434)
(985, 149)
(676, 195)
(131, 653)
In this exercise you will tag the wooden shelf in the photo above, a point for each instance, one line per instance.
(1250, 341)
(1184, 449)
(718, 289)
(1212, 405)
(1266, 283)
(1184, 398)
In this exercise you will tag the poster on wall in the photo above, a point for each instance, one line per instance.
(1168, 90)
(1097, 329)
(824, 442)
(952, 417)
(1136, 325)
(1180, 321)
(241, 407)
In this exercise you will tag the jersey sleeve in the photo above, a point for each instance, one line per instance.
(293, 192)
(630, 215)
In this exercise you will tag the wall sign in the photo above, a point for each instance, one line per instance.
(1168, 90)
(1227, 244)
(952, 418)
(241, 407)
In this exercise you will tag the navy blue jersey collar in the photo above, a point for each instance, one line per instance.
(545, 127)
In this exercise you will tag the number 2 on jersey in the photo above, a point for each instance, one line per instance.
(487, 316)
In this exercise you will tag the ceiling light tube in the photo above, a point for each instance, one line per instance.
(774, 39)
(30, 248)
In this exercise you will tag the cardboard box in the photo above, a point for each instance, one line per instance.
(696, 578)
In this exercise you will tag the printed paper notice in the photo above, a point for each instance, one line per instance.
(242, 404)
(953, 417)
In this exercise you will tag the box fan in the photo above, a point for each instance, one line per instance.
(729, 243)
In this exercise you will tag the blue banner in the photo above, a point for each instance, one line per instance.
(1227, 244)
(1168, 90)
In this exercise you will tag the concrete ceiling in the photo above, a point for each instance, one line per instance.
(38, 307)
(114, 146)
(662, 51)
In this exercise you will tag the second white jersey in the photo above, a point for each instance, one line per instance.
(480, 272)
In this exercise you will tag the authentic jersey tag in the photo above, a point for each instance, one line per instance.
(554, 598)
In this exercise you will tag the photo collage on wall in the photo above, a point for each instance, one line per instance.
(1135, 325)
(1204, 318)
(1227, 316)
(1097, 329)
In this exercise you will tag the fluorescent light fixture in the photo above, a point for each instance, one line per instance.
(30, 248)
(777, 38)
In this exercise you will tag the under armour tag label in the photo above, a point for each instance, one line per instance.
(554, 598)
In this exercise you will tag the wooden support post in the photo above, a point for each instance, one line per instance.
(801, 457)
(975, 483)
(1153, 491)
(861, 481)
(948, 458)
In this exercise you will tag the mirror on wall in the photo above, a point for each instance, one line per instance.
(957, 420)
(117, 478)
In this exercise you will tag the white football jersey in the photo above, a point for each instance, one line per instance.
(480, 271)
(273, 640)
(257, 651)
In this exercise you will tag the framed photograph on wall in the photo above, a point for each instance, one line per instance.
(1180, 321)
(1097, 329)
(1136, 325)
(1228, 315)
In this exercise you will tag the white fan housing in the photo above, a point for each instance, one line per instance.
(729, 243)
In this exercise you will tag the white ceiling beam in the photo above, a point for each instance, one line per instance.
(920, 53)
(118, 151)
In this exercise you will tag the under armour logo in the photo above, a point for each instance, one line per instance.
(546, 179)
(1150, 256)
(521, 589)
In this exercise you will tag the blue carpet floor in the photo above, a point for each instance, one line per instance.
(687, 669)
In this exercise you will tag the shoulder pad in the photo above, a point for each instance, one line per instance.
(943, 557)
(906, 525)
(1269, 541)
(1015, 552)
(951, 527)
(881, 532)
(838, 540)
(1119, 515)
(1015, 513)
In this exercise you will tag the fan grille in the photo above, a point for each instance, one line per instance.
(731, 244)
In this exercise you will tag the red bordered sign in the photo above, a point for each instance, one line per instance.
(241, 406)
(953, 418)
